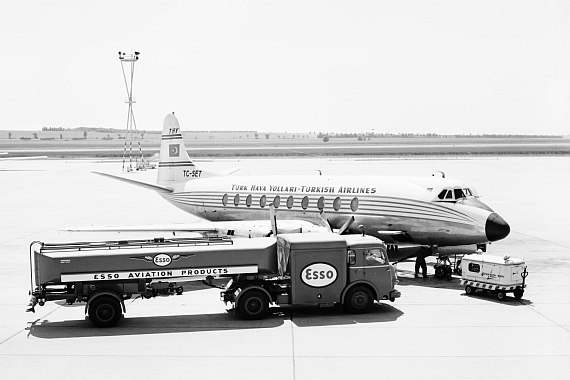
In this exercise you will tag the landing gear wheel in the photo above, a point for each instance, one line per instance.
(179, 290)
(501, 296)
(105, 311)
(358, 300)
(254, 304)
(469, 290)
(518, 293)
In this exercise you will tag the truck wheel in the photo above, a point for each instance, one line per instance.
(254, 304)
(105, 311)
(518, 293)
(358, 300)
(469, 289)
(501, 295)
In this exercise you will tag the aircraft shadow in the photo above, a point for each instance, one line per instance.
(82, 328)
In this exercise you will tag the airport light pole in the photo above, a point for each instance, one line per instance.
(129, 61)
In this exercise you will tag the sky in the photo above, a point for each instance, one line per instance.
(406, 66)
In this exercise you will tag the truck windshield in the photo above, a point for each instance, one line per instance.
(375, 257)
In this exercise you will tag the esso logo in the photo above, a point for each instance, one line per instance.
(319, 275)
(162, 260)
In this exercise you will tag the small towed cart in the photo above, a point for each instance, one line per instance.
(498, 275)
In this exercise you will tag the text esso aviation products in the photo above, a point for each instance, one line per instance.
(319, 275)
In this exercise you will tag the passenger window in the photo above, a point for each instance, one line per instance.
(474, 267)
(225, 200)
(305, 202)
(236, 200)
(354, 204)
(262, 201)
(290, 202)
(321, 203)
(276, 201)
(248, 200)
(336, 204)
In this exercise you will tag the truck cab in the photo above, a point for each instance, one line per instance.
(319, 270)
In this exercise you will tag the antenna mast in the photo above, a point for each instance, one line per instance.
(129, 61)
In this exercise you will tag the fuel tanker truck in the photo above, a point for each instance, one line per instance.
(310, 269)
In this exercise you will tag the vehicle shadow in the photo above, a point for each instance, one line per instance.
(82, 328)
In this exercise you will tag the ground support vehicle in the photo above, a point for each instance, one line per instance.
(443, 267)
(494, 274)
(320, 270)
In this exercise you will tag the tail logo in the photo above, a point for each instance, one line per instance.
(174, 150)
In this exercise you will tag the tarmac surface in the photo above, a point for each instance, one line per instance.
(433, 331)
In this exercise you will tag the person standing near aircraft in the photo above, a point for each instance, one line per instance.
(421, 262)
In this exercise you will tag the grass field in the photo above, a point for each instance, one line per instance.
(248, 144)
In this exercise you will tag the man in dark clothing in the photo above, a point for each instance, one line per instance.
(421, 261)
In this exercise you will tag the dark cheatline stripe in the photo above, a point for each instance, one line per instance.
(171, 137)
(180, 163)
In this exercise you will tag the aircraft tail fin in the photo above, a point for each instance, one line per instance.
(175, 166)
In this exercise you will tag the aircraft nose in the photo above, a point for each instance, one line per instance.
(496, 228)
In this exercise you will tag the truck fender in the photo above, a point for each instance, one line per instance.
(254, 287)
(106, 293)
(353, 284)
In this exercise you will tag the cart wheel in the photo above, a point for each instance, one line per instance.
(439, 272)
(518, 293)
(501, 295)
(469, 289)
(254, 304)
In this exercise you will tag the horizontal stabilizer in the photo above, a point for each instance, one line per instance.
(151, 186)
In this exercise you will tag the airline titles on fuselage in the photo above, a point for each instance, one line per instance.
(304, 189)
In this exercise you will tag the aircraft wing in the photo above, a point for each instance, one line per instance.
(396, 237)
(151, 186)
(253, 228)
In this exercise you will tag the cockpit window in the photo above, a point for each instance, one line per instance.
(468, 192)
(442, 194)
(458, 193)
(449, 194)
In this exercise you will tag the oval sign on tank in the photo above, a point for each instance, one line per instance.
(162, 260)
(318, 275)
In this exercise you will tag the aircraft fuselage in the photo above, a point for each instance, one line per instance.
(379, 205)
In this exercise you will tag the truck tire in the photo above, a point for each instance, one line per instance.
(105, 311)
(501, 295)
(253, 304)
(518, 293)
(469, 290)
(358, 300)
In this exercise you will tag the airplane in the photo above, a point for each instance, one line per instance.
(431, 211)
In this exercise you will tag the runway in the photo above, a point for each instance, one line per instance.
(433, 331)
